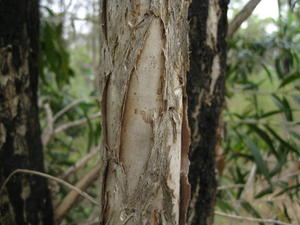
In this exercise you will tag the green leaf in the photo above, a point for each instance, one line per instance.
(286, 214)
(296, 99)
(268, 72)
(250, 209)
(289, 79)
(283, 142)
(264, 192)
(240, 179)
(278, 68)
(271, 113)
(283, 104)
(261, 164)
(296, 187)
(264, 135)
(295, 134)
(288, 111)
(224, 206)
(50, 11)
(280, 163)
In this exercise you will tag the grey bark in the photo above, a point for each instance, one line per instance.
(27, 198)
(242, 16)
(144, 59)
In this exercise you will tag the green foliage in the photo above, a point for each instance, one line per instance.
(262, 119)
(54, 58)
(262, 136)
(66, 97)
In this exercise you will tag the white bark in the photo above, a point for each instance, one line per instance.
(144, 60)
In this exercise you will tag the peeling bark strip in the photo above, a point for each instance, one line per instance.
(205, 88)
(27, 198)
(144, 59)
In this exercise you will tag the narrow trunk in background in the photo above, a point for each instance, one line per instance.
(26, 199)
(144, 59)
(205, 88)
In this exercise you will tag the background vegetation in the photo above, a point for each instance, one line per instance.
(259, 160)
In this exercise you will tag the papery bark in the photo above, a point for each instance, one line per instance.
(144, 59)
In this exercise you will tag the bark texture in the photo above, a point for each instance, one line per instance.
(242, 16)
(205, 88)
(144, 59)
(26, 199)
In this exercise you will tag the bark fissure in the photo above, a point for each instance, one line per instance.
(26, 199)
(142, 151)
(206, 96)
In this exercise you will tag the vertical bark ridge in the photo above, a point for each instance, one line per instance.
(27, 199)
(205, 88)
(142, 82)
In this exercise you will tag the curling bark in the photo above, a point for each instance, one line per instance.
(144, 59)
(26, 199)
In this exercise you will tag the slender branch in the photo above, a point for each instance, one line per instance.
(259, 92)
(72, 187)
(250, 219)
(80, 163)
(75, 123)
(231, 186)
(87, 19)
(68, 107)
(68, 5)
(265, 122)
(282, 178)
(46, 135)
(72, 196)
(243, 15)
(250, 180)
(94, 222)
(90, 222)
(49, 131)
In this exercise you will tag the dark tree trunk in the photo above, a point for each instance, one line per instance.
(205, 88)
(26, 199)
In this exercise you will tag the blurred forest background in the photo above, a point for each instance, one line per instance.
(259, 160)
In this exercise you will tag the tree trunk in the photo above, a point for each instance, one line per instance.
(205, 88)
(26, 199)
(144, 59)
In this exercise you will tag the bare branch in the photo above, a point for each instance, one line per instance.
(250, 181)
(80, 163)
(68, 107)
(71, 198)
(80, 192)
(250, 219)
(243, 15)
(75, 123)
(90, 222)
(46, 135)
(230, 186)
(49, 131)
(258, 92)
(265, 122)
(282, 178)
(288, 176)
